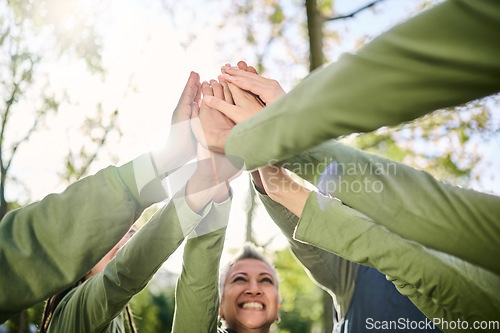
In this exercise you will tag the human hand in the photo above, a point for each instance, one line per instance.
(221, 168)
(214, 170)
(189, 100)
(238, 104)
(250, 92)
(211, 127)
(246, 104)
(245, 77)
(181, 144)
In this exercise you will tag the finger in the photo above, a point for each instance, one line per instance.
(245, 99)
(242, 65)
(229, 110)
(237, 72)
(224, 68)
(197, 98)
(217, 89)
(196, 127)
(228, 97)
(237, 93)
(195, 110)
(251, 69)
(254, 84)
(206, 89)
(190, 89)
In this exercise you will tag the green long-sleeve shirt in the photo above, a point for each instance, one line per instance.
(48, 245)
(332, 272)
(443, 57)
(441, 286)
(97, 305)
(196, 293)
(409, 202)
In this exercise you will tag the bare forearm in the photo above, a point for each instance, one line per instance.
(201, 190)
(280, 187)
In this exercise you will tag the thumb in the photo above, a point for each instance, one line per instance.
(195, 110)
(196, 126)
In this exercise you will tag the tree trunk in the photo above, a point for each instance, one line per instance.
(250, 212)
(315, 30)
(3, 202)
(22, 322)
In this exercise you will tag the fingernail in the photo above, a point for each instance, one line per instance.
(208, 99)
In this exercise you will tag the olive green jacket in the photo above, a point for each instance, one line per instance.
(440, 285)
(48, 245)
(196, 294)
(97, 305)
(443, 57)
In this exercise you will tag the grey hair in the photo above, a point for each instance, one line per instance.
(248, 251)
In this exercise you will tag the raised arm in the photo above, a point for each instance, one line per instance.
(332, 272)
(441, 57)
(196, 295)
(92, 306)
(197, 299)
(433, 281)
(421, 274)
(48, 245)
(428, 210)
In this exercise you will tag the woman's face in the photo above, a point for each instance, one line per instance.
(250, 297)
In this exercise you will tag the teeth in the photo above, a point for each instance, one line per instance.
(253, 305)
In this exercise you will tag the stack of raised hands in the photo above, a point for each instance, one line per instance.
(239, 94)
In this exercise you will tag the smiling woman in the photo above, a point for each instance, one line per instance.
(248, 286)
(249, 293)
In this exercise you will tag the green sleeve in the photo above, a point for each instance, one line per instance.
(441, 286)
(332, 272)
(47, 245)
(196, 295)
(93, 305)
(407, 201)
(445, 56)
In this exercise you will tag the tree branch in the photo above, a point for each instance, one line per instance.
(3, 126)
(354, 13)
(6, 164)
(17, 144)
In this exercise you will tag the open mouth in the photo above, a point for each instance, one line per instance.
(252, 305)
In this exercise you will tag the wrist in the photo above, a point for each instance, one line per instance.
(179, 148)
(206, 170)
(200, 191)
